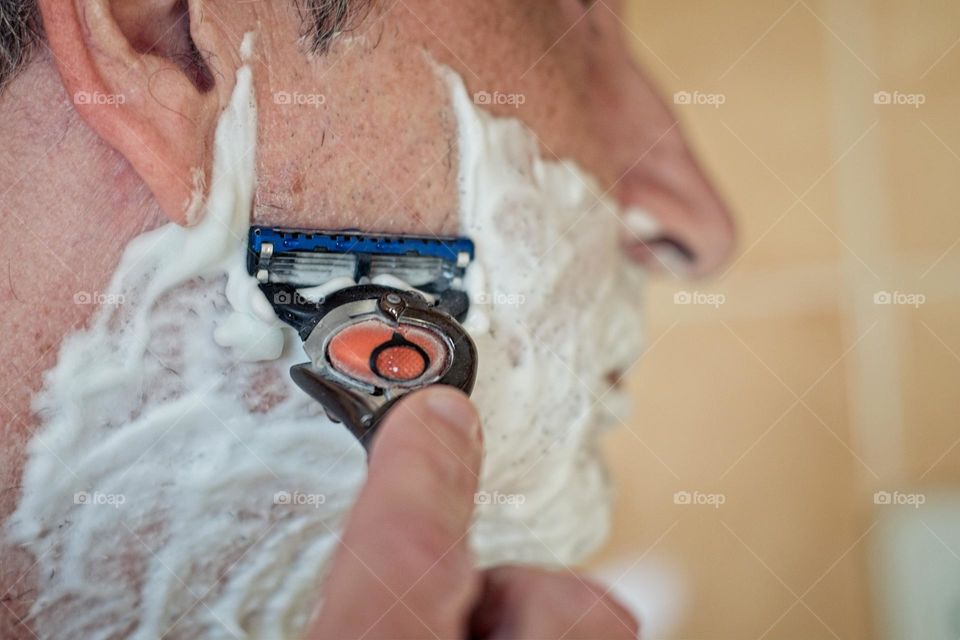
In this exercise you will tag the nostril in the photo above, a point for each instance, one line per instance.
(671, 245)
(685, 237)
(659, 251)
(664, 255)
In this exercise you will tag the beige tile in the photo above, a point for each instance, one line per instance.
(715, 397)
(914, 36)
(716, 415)
(922, 167)
(932, 379)
(920, 54)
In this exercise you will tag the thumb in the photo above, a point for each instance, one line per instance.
(403, 567)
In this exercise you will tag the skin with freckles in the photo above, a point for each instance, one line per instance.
(360, 137)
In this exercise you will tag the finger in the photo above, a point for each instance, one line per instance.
(403, 568)
(519, 602)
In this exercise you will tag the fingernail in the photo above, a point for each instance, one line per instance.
(453, 407)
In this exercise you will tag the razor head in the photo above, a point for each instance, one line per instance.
(393, 331)
(382, 341)
(373, 345)
(310, 258)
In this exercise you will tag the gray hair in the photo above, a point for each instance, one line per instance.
(20, 33)
(325, 19)
(21, 29)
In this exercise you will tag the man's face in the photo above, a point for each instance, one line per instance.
(368, 136)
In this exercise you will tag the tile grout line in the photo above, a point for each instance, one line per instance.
(874, 382)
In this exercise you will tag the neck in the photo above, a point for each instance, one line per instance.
(68, 206)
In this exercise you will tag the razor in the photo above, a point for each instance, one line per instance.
(390, 325)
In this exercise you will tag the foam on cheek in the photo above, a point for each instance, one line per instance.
(556, 308)
(178, 486)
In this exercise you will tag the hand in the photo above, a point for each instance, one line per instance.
(404, 570)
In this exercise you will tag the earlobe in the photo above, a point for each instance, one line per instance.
(136, 74)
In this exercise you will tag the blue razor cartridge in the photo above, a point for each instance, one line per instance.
(310, 258)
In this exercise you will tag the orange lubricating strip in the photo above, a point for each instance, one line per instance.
(401, 363)
(350, 350)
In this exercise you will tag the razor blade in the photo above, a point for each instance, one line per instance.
(310, 258)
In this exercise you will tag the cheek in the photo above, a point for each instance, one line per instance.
(360, 138)
(574, 10)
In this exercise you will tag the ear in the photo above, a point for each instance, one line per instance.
(140, 75)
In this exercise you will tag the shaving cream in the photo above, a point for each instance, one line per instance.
(555, 309)
(179, 484)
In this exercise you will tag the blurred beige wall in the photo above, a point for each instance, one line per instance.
(798, 396)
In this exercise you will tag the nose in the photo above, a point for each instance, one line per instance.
(675, 221)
